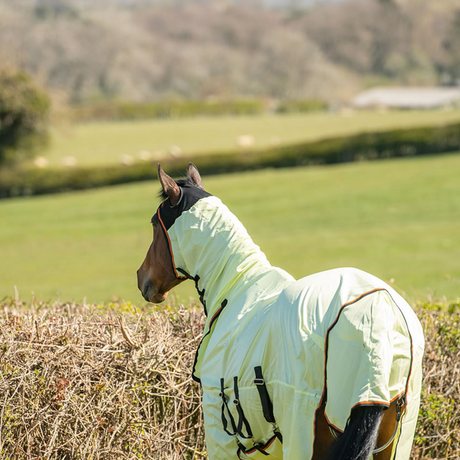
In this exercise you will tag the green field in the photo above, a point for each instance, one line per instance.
(399, 219)
(105, 143)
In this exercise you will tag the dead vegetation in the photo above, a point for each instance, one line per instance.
(438, 430)
(78, 382)
(113, 382)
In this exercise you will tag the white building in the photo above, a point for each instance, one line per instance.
(408, 98)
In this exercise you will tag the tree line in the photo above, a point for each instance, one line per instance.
(152, 50)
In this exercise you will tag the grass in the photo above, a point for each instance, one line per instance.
(398, 219)
(105, 143)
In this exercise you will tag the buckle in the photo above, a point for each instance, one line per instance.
(259, 382)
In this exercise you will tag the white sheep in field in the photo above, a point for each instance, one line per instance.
(126, 160)
(245, 140)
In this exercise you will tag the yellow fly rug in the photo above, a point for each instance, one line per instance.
(274, 349)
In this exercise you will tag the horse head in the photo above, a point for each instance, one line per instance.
(157, 275)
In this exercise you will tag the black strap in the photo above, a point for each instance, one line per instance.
(200, 291)
(225, 406)
(200, 294)
(278, 435)
(267, 405)
(241, 418)
(260, 447)
(187, 275)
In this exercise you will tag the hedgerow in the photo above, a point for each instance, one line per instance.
(93, 382)
(114, 382)
(438, 433)
(365, 146)
(116, 111)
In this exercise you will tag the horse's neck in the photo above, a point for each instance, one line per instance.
(233, 279)
(215, 246)
(229, 265)
(209, 242)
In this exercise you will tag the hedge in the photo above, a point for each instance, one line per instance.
(365, 146)
(113, 381)
(305, 106)
(189, 108)
(165, 109)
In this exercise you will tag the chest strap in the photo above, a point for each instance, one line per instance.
(200, 291)
(267, 406)
(241, 418)
(226, 409)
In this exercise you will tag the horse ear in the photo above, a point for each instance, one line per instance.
(194, 175)
(169, 186)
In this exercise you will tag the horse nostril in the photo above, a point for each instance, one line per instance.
(148, 285)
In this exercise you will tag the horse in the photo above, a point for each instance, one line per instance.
(325, 367)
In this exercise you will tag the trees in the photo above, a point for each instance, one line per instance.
(24, 113)
(143, 51)
(452, 46)
(147, 50)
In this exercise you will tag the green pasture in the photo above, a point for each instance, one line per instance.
(105, 143)
(399, 219)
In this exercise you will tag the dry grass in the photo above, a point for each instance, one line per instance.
(92, 382)
(438, 431)
(80, 383)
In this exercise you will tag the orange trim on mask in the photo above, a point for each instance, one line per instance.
(169, 245)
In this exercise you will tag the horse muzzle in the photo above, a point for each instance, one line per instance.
(151, 294)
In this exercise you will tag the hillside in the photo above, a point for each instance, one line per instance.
(105, 50)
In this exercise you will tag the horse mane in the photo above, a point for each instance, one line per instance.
(181, 183)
